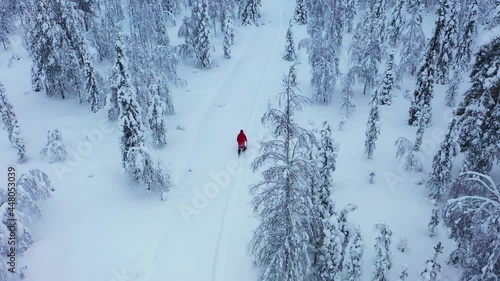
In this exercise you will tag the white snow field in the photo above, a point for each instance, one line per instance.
(95, 227)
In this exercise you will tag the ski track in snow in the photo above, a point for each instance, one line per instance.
(220, 258)
(253, 56)
(151, 255)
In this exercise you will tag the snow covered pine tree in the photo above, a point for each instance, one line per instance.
(282, 250)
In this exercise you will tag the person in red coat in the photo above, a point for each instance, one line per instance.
(242, 142)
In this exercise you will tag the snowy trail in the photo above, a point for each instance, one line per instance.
(236, 198)
(206, 241)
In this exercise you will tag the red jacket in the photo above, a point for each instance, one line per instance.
(241, 139)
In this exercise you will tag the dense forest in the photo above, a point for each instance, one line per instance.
(117, 57)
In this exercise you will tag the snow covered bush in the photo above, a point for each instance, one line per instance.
(432, 270)
(24, 239)
(32, 187)
(404, 273)
(371, 177)
(473, 219)
(54, 150)
(402, 244)
(146, 172)
(36, 183)
(406, 152)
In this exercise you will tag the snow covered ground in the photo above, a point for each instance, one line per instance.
(96, 228)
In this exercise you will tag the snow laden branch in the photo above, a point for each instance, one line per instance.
(281, 200)
(474, 222)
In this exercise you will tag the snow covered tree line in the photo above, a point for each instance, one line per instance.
(325, 25)
(10, 124)
(473, 216)
(139, 165)
(76, 27)
(20, 204)
(300, 234)
(473, 196)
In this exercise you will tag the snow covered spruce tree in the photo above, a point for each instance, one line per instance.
(353, 261)
(440, 177)
(300, 15)
(201, 32)
(383, 254)
(412, 38)
(423, 94)
(131, 126)
(350, 13)
(119, 78)
(396, 23)
(432, 270)
(479, 112)
(327, 156)
(453, 87)
(251, 11)
(422, 118)
(448, 44)
(388, 82)
(324, 27)
(468, 36)
(434, 222)
(10, 124)
(107, 29)
(373, 126)
(7, 13)
(365, 52)
(330, 250)
(473, 222)
(347, 104)
(136, 158)
(282, 249)
(329, 263)
(290, 54)
(156, 114)
(24, 238)
(228, 30)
